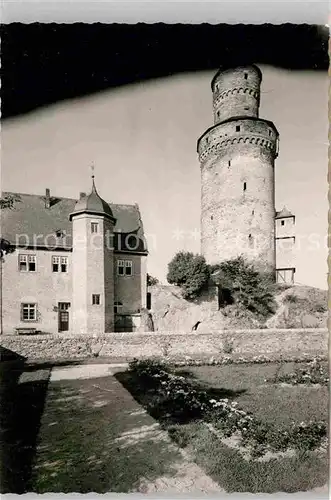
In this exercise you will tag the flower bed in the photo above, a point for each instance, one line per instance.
(235, 359)
(179, 399)
(313, 373)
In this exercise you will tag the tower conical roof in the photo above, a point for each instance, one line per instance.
(92, 204)
(284, 213)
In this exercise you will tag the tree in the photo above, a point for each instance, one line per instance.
(151, 280)
(9, 200)
(250, 288)
(190, 272)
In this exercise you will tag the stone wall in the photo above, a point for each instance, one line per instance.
(247, 343)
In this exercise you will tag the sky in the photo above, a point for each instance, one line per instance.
(142, 138)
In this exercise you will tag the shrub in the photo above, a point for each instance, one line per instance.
(151, 280)
(178, 398)
(292, 299)
(313, 373)
(190, 272)
(253, 290)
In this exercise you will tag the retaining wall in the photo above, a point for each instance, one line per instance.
(274, 343)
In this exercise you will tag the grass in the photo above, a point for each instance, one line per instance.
(274, 403)
(280, 405)
(234, 474)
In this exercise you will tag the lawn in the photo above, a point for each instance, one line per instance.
(275, 403)
(268, 402)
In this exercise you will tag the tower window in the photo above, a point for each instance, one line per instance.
(237, 128)
(211, 217)
(95, 299)
(283, 223)
(245, 186)
(250, 240)
(94, 227)
(229, 163)
(117, 307)
(253, 212)
(124, 267)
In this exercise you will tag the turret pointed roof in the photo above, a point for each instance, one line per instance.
(284, 213)
(92, 204)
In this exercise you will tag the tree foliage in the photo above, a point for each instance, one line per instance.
(9, 200)
(250, 288)
(151, 280)
(190, 272)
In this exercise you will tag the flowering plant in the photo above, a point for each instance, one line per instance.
(178, 398)
(313, 373)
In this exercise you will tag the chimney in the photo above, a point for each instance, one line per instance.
(82, 195)
(48, 199)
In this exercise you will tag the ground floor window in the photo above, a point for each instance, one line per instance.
(29, 312)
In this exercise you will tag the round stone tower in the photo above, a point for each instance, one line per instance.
(237, 156)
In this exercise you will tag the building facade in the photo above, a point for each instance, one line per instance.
(285, 246)
(74, 266)
(237, 160)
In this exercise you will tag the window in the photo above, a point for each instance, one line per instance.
(237, 128)
(128, 268)
(250, 241)
(245, 186)
(96, 299)
(124, 267)
(149, 301)
(27, 262)
(120, 267)
(246, 75)
(59, 264)
(28, 312)
(117, 307)
(283, 223)
(94, 227)
(229, 163)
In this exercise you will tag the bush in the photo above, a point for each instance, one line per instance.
(291, 299)
(151, 280)
(313, 373)
(253, 290)
(190, 272)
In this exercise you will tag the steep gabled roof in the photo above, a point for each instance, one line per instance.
(30, 223)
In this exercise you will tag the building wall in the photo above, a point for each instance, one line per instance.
(236, 92)
(42, 287)
(129, 289)
(285, 243)
(235, 221)
(237, 174)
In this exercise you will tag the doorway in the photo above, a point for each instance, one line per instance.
(63, 316)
